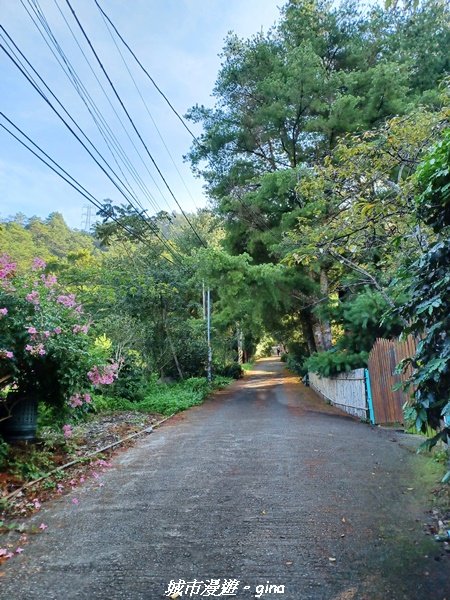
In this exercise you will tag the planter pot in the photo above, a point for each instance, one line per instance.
(21, 425)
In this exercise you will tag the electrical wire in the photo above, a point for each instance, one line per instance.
(132, 122)
(23, 70)
(63, 174)
(108, 27)
(87, 99)
(183, 122)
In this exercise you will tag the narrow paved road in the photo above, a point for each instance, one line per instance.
(262, 485)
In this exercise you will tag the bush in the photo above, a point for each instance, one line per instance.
(165, 399)
(335, 361)
(233, 370)
(295, 366)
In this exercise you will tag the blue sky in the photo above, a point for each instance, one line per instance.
(177, 40)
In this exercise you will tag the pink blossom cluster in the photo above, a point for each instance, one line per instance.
(67, 300)
(7, 267)
(36, 350)
(79, 399)
(6, 354)
(33, 298)
(46, 334)
(67, 430)
(3, 312)
(49, 280)
(80, 329)
(104, 375)
(38, 264)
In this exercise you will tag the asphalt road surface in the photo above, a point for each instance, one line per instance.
(264, 491)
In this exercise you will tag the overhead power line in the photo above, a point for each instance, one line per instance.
(105, 130)
(108, 27)
(174, 110)
(63, 174)
(27, 75)
(132, 121)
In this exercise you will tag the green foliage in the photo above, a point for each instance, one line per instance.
(4, 450)
(51, 238)
(29, 465)
(47, 350)
(231, 370)
(434, 178)
(335, 361)
(427, 309)
(294, 365)
(165, 399)
(264, 348)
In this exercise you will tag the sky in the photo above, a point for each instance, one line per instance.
(178, 41)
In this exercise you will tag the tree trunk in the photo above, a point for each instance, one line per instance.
(307, 330)
(327, 341)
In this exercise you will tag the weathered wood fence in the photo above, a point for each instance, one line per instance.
(368, 393)
(383, 360)
(346, 390)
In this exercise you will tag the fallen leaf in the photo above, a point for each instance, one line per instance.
(289, 562)
(332, 559)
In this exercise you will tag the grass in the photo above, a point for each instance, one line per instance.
(248, 366)
(165, 399)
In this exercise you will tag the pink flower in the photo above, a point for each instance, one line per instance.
(87, 398)
(68, 300)
(3, 551)
(67, 430)
(33, 297)
(32, 330)
(6, 354)
(49, 280)
(75, 501)
(29, 348)
(36, 503)
(59, 488)
(82, 480)
(19, 550)
(3, 312)
(46, 334)
(57, 330)
(9, 555)
(105, 376)
(75, 401)
(79, 309)
(38, 264)
(43, 526)
(7, 267)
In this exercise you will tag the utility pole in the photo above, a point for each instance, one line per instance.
(240, 343)
(204, 300)
(208, 333)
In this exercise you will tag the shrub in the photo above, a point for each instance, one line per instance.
(335, 361)
(233, 370)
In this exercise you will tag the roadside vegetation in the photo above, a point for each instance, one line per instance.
(326, 156)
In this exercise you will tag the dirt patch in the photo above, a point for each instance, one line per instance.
(41, 457)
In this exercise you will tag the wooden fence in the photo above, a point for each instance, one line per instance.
(383, 359)
(346, 390)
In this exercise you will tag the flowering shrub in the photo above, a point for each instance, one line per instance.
(45, 344)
